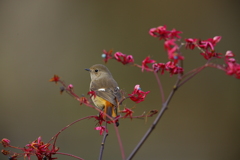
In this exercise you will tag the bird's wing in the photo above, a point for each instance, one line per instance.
(107, 89)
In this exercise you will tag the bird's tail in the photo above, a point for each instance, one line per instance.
(110, 110)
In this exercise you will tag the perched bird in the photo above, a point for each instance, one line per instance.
(107, 92)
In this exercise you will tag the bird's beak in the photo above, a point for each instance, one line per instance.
(87, 69)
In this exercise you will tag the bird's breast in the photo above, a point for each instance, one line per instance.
(98, 102)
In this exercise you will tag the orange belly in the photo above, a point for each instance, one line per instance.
(104, 105)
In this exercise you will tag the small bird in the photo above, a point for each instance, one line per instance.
(108, 94)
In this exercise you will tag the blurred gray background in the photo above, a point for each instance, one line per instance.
(41, 38)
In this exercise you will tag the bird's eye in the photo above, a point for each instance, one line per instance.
(96, 70)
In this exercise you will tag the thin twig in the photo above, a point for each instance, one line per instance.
(216, 66)
(189, 73)
(192, 75)
(149, 131)
(56, 135)
(103, 142)
(119, 141)
(116, 129)
(160, 86)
